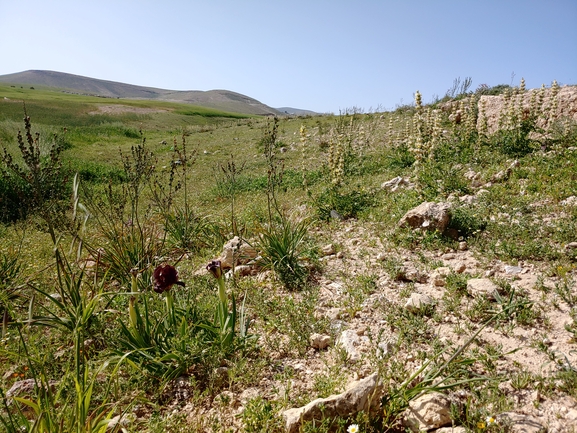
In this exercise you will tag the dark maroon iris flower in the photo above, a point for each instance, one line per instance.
(164, 277)
(215, 268)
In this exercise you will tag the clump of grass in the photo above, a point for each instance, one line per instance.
(283, 245)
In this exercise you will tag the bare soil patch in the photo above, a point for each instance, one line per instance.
(120, 109)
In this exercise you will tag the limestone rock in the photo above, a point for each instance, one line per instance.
(457, 429)
(513, 270)
(349, 340)
(320, 341)
(410, 273)
(428, 412)
(439, 276)
(395, 183)
(520, 423)
(363, 395)
(504, 174)
(418, 302)
(238, 252)
(27, 387)
(328, 250)
(428, 216)
(493, 106)
(482, 287)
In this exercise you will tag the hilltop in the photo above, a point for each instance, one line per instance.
(224, 100)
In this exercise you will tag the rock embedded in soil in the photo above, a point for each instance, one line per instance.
(477, 287)
(320, 341)
(236, 252)
(439, 275)
(520, 423)
(428, 412)
(418, 302)
(349, 340)
(429, 216)
(363, 395)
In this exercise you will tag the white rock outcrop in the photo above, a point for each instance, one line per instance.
(429, 216)
(363, 395)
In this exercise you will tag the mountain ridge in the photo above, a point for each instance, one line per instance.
(220, 99)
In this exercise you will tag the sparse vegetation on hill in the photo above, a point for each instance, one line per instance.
(219, 100)
(171, 269)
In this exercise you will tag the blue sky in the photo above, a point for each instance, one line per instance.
(322, 55)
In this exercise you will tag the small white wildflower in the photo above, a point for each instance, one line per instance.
(353, 428)
(490, 420)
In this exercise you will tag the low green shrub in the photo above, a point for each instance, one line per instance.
(346, 204)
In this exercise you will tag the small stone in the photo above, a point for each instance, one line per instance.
(26, 387)
(418, 302)
(337, 216)
(513, 270)
(439, 275)
(428, 412)
(456, 429)
(382, 257)
(221, 373)
(482, 287)
(349, 340)
(410, 273)
(520, 423)
(236, 252)
(383, 349)
(429, 216)
(463, 246)
(460, 267)
(249, 394)
(320, 341)
(570, 201)
(328, 250)
(571, 246)
(333, 313)
(394, 184)
(244, 270)
(120, 420)
(468, 199)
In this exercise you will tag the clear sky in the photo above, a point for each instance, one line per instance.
(321, 55)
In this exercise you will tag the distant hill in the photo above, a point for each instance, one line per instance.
(296, 111)
(224, 100)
